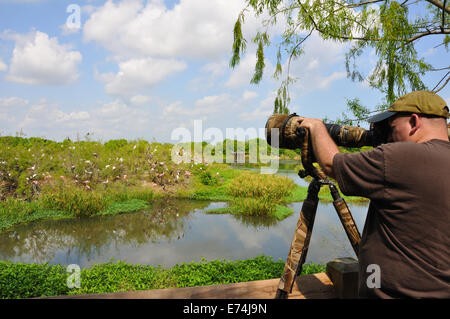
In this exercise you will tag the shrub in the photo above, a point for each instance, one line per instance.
(271, 187)
(207, 179)
(76, 201)
(19, 280)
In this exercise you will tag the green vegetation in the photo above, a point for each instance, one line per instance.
(256, 195)
(19, 280)
(43, 179)
(389, 30)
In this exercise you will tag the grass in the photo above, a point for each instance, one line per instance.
(19, 280)
(300, 193)
(43, 179)
(71, 202)
(252, 194)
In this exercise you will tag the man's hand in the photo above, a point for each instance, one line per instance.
(310, 124)
(323, 145)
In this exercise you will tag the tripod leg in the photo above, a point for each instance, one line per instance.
(346, 219)
(300, 242)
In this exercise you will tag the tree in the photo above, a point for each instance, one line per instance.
(386, 26)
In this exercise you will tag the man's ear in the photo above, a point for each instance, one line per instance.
(415, 122)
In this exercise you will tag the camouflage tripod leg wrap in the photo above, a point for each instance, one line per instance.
(346, 218)
(300, 243)
(302, 235)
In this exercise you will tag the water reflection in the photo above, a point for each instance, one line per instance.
(173, 232)
(48, 241)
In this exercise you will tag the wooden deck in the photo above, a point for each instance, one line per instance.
(317, 286)
(340, 281)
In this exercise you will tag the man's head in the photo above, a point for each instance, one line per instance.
(417, 117)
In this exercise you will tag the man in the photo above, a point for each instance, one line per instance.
(406, 236)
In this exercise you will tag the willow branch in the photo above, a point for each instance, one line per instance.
(435, 90)
(423, 34)
(440, 5)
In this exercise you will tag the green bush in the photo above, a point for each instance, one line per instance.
(78, 202)
(271, 187)
(207, 179)
(19, 280)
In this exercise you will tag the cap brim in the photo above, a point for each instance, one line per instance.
(381, 117)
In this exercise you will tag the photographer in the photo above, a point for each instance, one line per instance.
(407, 230)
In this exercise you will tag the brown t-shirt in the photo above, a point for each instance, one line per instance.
(407, 229)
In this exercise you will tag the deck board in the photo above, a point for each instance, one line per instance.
(315, 286)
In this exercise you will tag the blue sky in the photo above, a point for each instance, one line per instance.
(141, 69)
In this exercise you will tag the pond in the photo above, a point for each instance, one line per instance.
(175, 231)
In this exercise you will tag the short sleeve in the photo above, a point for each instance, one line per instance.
(361, 174)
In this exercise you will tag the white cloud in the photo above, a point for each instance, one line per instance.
(139, 99)
(136, 30)
(139, 74)
(115, 119)
(325, 82)
(213, 105)
(243, 73)
(248, 95)
(215, 69)
(66, 30)
(82, 115)
(262, 111)
(319, 66)
(38, 59)
(3, 66)
(13, 102)
(191, 29)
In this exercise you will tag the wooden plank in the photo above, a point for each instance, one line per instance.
(316, 286)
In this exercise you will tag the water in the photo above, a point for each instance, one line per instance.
(175, 231)
(160, 237)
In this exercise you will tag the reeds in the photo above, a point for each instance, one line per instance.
(259, 195)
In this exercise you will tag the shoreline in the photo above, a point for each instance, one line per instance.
(42, 179)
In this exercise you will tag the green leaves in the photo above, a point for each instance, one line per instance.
(387, 26)
(239, 43)
(19, 280)
(259, 67)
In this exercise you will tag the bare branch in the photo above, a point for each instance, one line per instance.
(420, 35)
(435, 89)
(440, 5)
(441, 69)
(443, 17)
(412, 39)
(359, 4)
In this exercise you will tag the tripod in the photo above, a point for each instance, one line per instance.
(300, 243)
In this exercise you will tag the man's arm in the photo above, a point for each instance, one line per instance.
(323, 145)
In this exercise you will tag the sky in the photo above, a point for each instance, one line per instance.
(138, 69)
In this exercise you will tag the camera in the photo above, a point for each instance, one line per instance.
(290, 134)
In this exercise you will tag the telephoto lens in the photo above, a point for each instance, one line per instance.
(290, 134)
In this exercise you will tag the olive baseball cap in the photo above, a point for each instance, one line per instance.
(420, 102)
